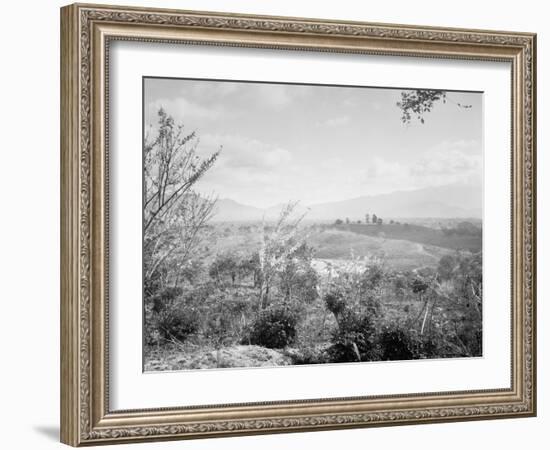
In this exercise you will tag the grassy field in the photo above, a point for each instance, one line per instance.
(417, 233)
(349, 242)
(395, 253)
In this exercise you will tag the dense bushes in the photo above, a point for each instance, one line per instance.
(335, 303)
(165, 298)
(224, 266)
(355, 312)
(355, 338)
(301, 285)
(363, 332)
(275, 327)
(360, 338)
(178, 323)
(398, 343)
(354, 299)
(205, 313)
(157, 308)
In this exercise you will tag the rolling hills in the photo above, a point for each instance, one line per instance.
(451, 201)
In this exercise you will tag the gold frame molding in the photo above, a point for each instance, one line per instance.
(86, 31)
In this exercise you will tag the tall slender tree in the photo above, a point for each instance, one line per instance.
(173, 213)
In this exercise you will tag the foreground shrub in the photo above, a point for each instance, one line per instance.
(165, 298)
(355, 338)
(397, 343)
(178, 323)
(335, 302)
(305, 285)
(224, 320)
(469, 334)
(357, 289)
(224, 267)
(275, 327)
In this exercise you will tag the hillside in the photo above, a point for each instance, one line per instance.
(227, 210)
(418, 234)
(452, 201)
(401, 247)
(443, 201)
(333, 245)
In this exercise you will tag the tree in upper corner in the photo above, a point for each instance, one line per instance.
(415, 103)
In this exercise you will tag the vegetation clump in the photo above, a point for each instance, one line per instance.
(178, 323)
(275, 327)
(399, 343)
(355, 339)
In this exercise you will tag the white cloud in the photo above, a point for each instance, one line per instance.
(241, 152)
(271, 95)
(447, 163)
(332, 163)
(208, 91)
(260, 165)
(247, 170)
(377, 106)
(207, 102)
(453, 159)
(183, 111)
(256, 173)
(335, 121)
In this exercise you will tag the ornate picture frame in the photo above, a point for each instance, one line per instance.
(87, 31)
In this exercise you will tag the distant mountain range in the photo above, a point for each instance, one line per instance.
(452, 201)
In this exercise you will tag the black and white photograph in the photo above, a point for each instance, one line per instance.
(298, 224)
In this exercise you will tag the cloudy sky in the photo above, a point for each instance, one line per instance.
(317, 144)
